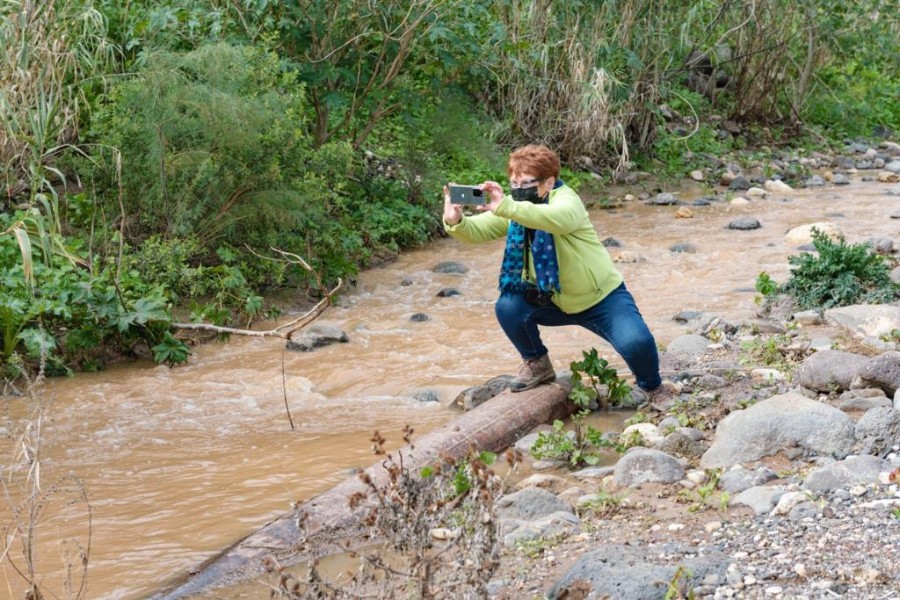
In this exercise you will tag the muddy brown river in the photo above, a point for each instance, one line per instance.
(180, 463)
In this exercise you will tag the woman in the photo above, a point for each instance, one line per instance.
(555, 272)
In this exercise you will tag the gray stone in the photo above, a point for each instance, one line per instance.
(830, 370)
(782, 421)
(745, 223)
(625, 571)
(845, 473)
(761, 498)
(738, 479)
(530, 504)
(803, 511)
(808, 317)
(448, 293)
(866, 320)
(878, 430)
(679, 444)
(316, 336)
(451, 267)
(664, 199)
(476, 395)
(882, 371)
(893, 166)
(426, 396)
(419, 318)
(683, 248)
(840, 179)
(815, 181)
(554, 526)
(643, 465)
(740, 183)
(688, 347)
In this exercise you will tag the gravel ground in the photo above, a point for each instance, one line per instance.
(847, 547)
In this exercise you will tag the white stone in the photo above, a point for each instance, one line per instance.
(676, 526)
(756, 192)
(803, 234)
(788, 501)
(697, 476)
(739, 201)
(800, 570)
(767, 374)
(697, 175)
(713, 526)
(648, 431)
(777, 186)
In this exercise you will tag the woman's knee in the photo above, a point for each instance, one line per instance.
(636, 343)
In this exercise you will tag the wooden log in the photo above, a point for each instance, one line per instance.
(494, 426)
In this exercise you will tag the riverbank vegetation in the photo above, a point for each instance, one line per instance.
(154, 153)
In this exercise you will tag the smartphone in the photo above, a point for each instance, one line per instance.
(468, 194)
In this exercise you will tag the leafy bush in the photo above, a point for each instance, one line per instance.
(839, 274)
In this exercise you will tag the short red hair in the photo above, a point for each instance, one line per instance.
(540, 161)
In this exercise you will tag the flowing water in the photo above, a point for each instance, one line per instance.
(179, 463)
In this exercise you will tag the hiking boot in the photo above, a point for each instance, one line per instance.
(660, 398)
(533, 373)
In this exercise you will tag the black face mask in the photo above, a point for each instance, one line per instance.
(529, 194)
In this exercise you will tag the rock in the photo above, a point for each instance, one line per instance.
(893, 166)
(738, 478)
(804, 234)
(777, 186)
(851, 471)
(648, 432)
(866, 320)
(451, 267)
(551, 483)
(684, 213)
(740, 183)
(626, 571)
(419, 318)
(476, 395)
(448, 293)
(554, 526)
(643, 465)
(883, 372)
(830, 370)
(807, 317)
(761, 498)
(688, 347)
(788, 501)
(815, 181)
(611, 242)
(756, 192)
(744, 224)
(888, 177)
(840, 179)
(426, 396)
(316, 336)
(739, 201)
(780, 422)
(530, 504)
(679, 444)
(697, 175)
(663, 199)
(683, 247)
(878, 431)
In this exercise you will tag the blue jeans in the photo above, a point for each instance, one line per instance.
(616, 319)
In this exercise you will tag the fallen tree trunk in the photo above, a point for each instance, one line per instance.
(493, 426)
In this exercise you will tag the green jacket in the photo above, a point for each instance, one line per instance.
(586, 271)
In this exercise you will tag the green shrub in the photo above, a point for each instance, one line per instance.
(839, 274)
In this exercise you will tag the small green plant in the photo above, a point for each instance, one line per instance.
(767, 351)
(588, 377)
(604, 504)
(839, 274)
(766, 286)
(679, 588)
(704, 495)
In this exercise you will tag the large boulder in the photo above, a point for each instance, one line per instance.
(628, 571)
(878, 431)
(316, 336)
(643, 465)
(782, 421)
(830, 370)
(866, 320)
(846, 473)
(882, 371)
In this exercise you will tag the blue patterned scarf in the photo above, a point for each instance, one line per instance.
(513, 274)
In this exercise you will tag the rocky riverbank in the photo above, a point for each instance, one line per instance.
(760, 483)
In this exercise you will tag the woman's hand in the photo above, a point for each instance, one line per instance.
(452, 212)
(495, 193)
